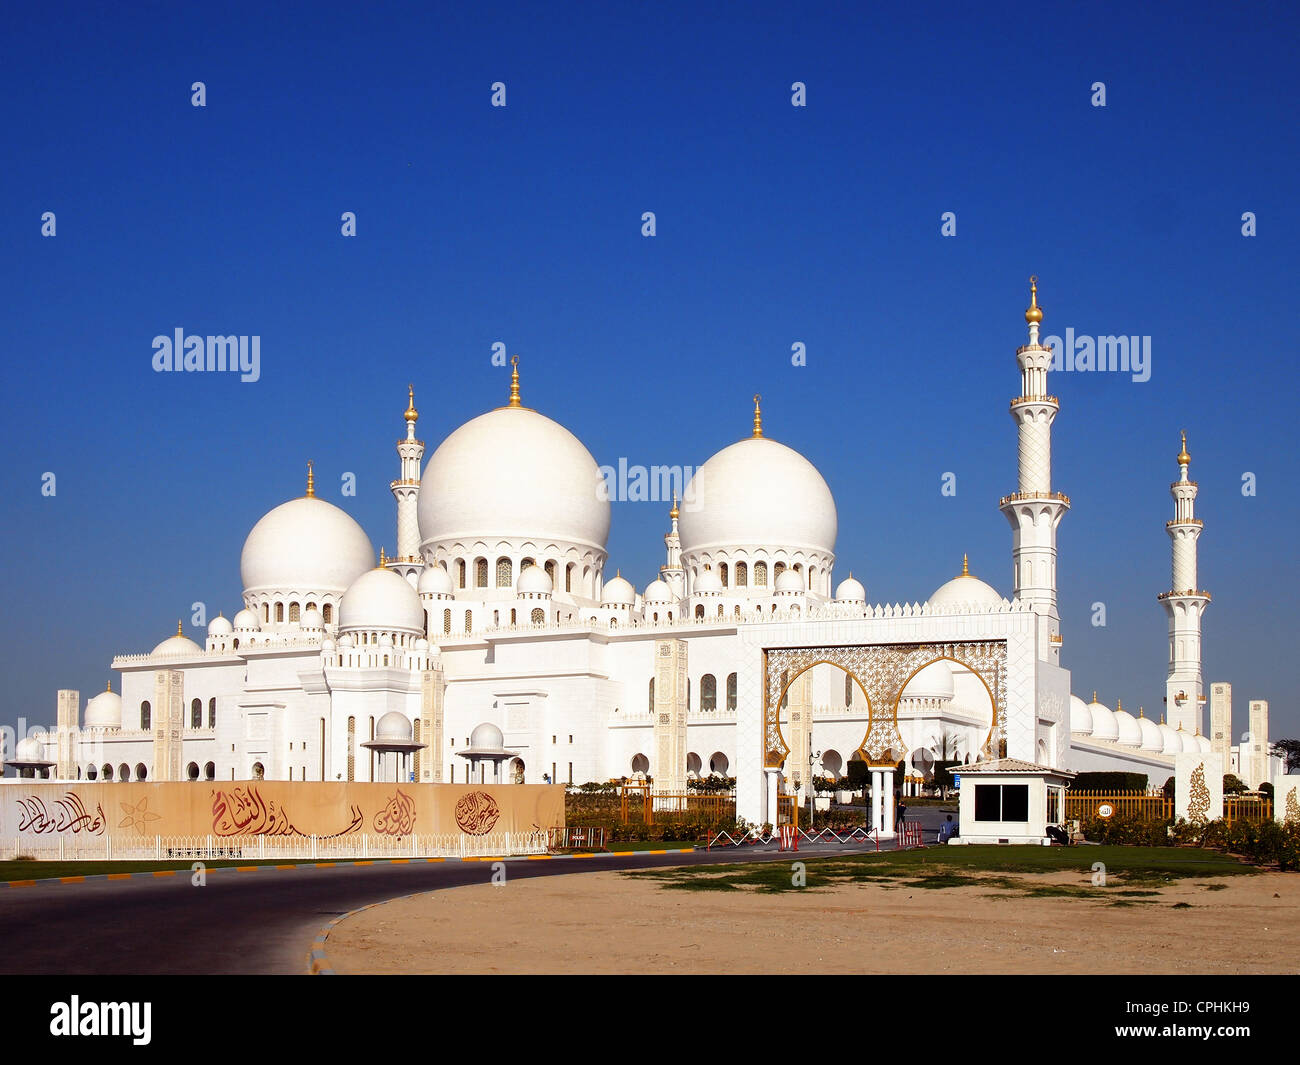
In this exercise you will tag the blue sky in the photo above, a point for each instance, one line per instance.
(775, 225)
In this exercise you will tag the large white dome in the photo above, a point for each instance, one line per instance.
(932, 682)
(1080, 716)
(513, 474)
(1127, 730)
(381, 599)
(180, 644)
(305, 545)
(758, 493)
(1151, 738)
(965, 590)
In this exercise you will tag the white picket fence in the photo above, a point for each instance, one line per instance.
(260, 848)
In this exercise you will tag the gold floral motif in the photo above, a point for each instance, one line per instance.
(1198, 804)
(1292, 806)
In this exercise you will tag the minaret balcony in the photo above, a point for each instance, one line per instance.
(1033, 347)
(405, 483)
(1185, 521)
(1020, 401)
(1191, 593)
(1020, 497)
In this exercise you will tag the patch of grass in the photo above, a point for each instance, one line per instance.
(34, 870)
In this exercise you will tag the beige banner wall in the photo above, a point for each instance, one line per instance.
(273, 808)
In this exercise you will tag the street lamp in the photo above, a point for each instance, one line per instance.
(812, 791)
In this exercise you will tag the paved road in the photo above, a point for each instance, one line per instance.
(252, 922)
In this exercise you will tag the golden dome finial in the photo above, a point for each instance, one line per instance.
(383, 559)
(311, 482)
(412, 415)
(1141, 712)
(1119, 706)
(758, 416)
(110, 686)
(1094, 695)
(965, 566)
(1183, 457)
(674, 513)
(1034, 314)
(514, 382)
(179, 630)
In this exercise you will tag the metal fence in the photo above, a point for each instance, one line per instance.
(1084, 805)
(257, 848)
(642, 806)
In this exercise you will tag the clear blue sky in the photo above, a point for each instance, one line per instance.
(775, 225)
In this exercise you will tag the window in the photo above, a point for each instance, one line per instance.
(460, 573)
(708, 692)
(778, 569)
(146, 715)
(266, 611)
(279, 611)
(550, 571)
(731, 691)
(196, 721)
(539, 616)
(505, 573)
(1002, 802)
(480, 573)
(722, 574)
(568, 577)
(209, 771)
(469, 619)
(699, 611)
(742, 574)
(327, 613)
(446, 622)
(294, 614)
(760, 574)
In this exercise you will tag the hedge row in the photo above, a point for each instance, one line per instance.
(1259, 842)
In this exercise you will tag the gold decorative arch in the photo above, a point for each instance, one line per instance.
(881, 671)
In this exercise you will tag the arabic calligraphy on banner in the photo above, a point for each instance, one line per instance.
(274, 808)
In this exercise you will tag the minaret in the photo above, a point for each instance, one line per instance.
(1184, 603)
(406, 490)
(672, 573)
(1034, 510)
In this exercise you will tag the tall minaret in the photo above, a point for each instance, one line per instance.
(406, 490)
(1184, 603)
(1035, 510)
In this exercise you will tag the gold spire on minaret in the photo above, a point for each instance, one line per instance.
(412, 415)
(1183, 457)
(1034, 314)
(514, 382)
(674, 513)
(965, 566)
(758, 416)
(311, 482)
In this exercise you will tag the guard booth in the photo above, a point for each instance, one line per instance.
(1010, 801)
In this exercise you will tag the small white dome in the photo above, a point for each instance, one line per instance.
(327, 644)
(393, 727)
(486, 737)
(708, 582)
(658, 592)
(246, 621)
(850, 590)
(179, 644)
(346, 642)
(434, 580)
(1151, 738)
(220, 626)
(533, 580)
(1127, 730)
(932, 682)
(312, 618)
(421, 644)
(381, 599)
(1204, 743)
(965, 590)
(1104, 726)
(789, 581)
(104, 710)
(1173, 739)
(385, 640)
(29, 749)
(1080, 716)
(618, 592)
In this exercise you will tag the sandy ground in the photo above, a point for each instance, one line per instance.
(612, 923)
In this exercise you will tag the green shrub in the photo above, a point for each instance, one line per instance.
(1110, 782)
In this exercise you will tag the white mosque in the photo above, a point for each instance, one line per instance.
(493, 646)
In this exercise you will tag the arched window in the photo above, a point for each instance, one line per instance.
(196, 713)
(460, 573)
(91, 772)
(146, 715)
(652, 695)
(266, 611)
(699, 611)
(141, 772)
(108, 771)
(192, 771)
(778, 569)
(760, 574)
(568, 577)
(731, 691)
(722, 574)
(513, 618)
(550, 570)
(539, 616)
(259, 771)
(446, 622)
(719, 610)
(505, 573)
(124, 772)
(209, 771)
(469, 620)
(708, 692)
(327, 613)
(480, 573)
(294, 614)
(279, 611)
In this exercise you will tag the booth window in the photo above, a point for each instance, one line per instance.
(1002, 802)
